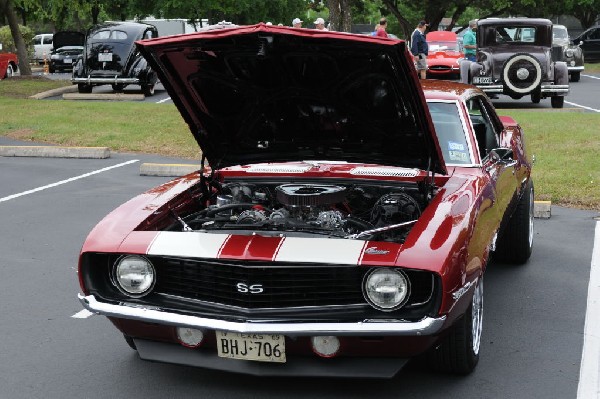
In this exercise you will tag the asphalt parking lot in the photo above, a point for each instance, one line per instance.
(534, 315)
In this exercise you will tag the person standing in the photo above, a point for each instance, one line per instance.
(297, 23)
(320, 24)
(419, 48)
(470, 41)
(381, 31)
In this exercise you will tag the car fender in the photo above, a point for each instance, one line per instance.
(141, 70)
(561, 73)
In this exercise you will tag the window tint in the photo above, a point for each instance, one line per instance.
(594, 34)
(37, 40)
(450, 133)
(48, 40)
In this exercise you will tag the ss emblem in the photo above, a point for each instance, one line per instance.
(253, 289)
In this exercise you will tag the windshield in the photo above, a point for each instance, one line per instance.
(443, 46)
(559, 32)
(450, 133)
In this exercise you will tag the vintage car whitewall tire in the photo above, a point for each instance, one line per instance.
(516, 243)
(458, 352)
(557, 101)
(511, 64)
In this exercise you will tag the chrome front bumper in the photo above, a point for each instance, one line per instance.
(548, 88)
(113, 80)
(580, 68)
(423, 327)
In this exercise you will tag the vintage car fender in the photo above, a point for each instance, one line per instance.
(142, 71)
(561, 73)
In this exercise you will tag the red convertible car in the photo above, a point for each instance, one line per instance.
(342, 220)
(443, 60)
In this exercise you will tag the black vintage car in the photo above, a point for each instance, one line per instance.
(515, 57)
(111, 57)
(67, 47)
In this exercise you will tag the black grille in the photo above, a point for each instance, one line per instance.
(282, 285)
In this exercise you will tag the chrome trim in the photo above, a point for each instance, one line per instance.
(576, 68)
(491, 88)
(115, 80)
(425, 326)
(555, 88)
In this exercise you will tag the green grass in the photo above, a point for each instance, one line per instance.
(592, 67)
(25, 86)
(566, 145)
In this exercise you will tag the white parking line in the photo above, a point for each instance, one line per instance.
(35, 190)
(82, 314)
(164, 100)
(582, 106)
(589, 373)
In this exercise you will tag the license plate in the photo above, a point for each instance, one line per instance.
(482, 79)
(257, 347)
(105, 57)
(68, 61)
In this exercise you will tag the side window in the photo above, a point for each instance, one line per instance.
(485, 129)
(48, 40)
(37, 40)
(595, 34)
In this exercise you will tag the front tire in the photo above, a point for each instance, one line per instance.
(458, 353)
(516, 243)
(83, 88)
(575, 76)
(557, 101)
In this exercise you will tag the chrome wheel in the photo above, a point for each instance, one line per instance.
(477, 316)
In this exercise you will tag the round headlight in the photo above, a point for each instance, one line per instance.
(134, 275)
(569, 52)
(386, 289)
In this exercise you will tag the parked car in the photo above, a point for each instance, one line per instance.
(590, 43)
(571, 54)
(42, 46)
(515, 57)
(66, 50)
(111, 57)
(341, 221)
(444, 58)
(9, 64)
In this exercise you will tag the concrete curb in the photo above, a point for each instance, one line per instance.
(104, 96)
(54, 92)
(167, 170)
(542, 209)
(55, 152)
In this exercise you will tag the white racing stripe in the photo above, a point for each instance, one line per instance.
(58, 183)
(582, 106)
(589, 373)
(320, 250)
(187, 244)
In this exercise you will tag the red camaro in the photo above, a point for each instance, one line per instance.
(443, 60)
(342, 222)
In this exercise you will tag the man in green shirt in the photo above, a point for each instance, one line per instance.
(470, 41)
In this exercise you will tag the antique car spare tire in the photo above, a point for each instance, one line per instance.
(522, 73)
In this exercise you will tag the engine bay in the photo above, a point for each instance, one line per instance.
(341, 209)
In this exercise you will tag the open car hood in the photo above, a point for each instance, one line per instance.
(67, 38)
(275, 94)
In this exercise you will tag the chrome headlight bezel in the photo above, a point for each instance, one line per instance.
(399, 286)
(569, 52)
(137, 264)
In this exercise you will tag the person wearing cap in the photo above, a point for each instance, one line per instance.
(419, 48)
(380, 32)
(470, 41)
(297, 23)
(320, 24)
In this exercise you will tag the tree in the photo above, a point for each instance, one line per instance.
(6, 7)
